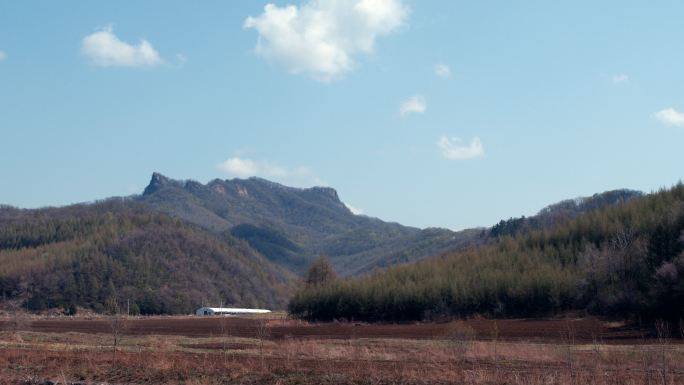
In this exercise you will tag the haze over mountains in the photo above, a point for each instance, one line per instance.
(242, 241)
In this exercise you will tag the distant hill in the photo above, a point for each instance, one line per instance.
(110, 253)
(618, 254)
(291, 226)
(561, 212)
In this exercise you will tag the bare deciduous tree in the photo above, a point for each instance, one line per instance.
(663, 334)
(18, 319)
(224, 327)
(263, 331)
(320, 273)
(459, 335)
(568, 337)
(118, 324)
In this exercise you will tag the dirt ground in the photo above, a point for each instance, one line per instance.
(582, 330)
(233, 350)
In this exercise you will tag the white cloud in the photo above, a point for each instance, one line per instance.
(455, 149)
(244, 167)
(620, 78)
(240, 167)
(670, 117)
(3, 55)
(413, 105)
(323, 37)
(353, 209)
(442, 70)
(105, 49)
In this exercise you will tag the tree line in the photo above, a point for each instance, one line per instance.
(625, 260)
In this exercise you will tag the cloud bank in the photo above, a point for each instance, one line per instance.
(105, 49)
(3, 55)
(322, 38)
(454, 148)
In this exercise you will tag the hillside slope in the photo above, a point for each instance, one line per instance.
(104, 254)
(623, 260)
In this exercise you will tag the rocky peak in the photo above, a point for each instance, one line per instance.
(156, 182)
(326, 191)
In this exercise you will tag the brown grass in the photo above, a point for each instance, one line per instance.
(459, 356)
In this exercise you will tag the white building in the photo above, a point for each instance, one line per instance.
(229, 311)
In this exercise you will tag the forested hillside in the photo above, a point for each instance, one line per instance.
(182, 244)
(623, 260)
(102, 255)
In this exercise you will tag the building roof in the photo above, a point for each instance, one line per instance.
(235, 310)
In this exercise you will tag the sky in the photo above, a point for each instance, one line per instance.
(430, 113)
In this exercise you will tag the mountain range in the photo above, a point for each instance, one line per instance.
(181, 244)
(292, 226)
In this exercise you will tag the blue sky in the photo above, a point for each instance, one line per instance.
(429, 113)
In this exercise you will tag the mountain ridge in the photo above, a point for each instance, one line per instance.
(249, 238)
(293, 225)
(314, 219)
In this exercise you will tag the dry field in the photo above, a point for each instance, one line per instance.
(227, 350)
